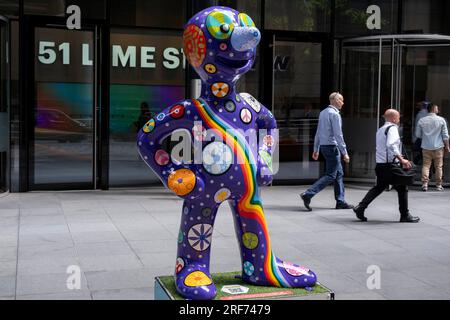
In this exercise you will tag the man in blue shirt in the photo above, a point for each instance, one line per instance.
(330, 142)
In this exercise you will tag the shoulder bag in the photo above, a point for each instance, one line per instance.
(399, 175)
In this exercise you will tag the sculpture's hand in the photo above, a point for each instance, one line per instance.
(264, 172)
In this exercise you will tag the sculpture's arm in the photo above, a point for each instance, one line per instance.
(182, 177)
(268, 139)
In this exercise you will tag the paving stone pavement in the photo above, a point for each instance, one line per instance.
(122, 239)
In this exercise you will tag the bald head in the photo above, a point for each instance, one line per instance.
(392, 115)
(337, 100)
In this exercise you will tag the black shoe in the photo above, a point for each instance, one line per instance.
(360, 213)
(344, 206)
(306, 201)
(409, 218)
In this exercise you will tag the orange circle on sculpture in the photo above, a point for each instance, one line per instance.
(220, 89)
(197, 279)
(194, 43)
(182, 182)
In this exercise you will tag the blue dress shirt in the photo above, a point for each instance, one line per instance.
(329, 130)
(433, 130)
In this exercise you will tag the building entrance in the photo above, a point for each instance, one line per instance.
(64, 104)
(398, 71)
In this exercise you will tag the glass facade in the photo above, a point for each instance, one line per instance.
(4, 106)
(72, 101)
(352, 17)
(297, 94)
(308, 16)
(140, 88)
(64, 108)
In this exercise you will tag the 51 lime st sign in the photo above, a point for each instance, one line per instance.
(122, 56)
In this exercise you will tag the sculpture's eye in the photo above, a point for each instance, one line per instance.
(225, 28)
(220, 25)
(245, 20)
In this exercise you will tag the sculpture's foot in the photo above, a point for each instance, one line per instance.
(285, 275)
(194, 282)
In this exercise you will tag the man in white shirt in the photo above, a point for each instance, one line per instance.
(388, 150)
(433, 132)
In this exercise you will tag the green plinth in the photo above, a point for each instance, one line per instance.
(165, 290)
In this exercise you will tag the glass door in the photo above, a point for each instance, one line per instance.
(366, 85)
(297, 71)
(381, 72)
(425, 76)
(4, 104)
(64, 103)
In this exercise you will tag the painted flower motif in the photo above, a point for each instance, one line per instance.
(210, 68)
(199, 132)
(222, 195)
(269, 141)
(180, 236)
(267, 159)
(206, 212)
(295, 270)
(197, 279)
(200, 236)
(179, 266)
(252, 102)
(149, 126)
(249, 268)
(217, 158)
(250, 240)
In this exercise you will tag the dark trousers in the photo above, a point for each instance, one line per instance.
(334, 174)
(384, 179)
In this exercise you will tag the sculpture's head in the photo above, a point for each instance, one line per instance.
(220, 43)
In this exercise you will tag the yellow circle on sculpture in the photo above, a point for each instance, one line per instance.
(197, 279)
(250, 240)
(210, 68)
(182, 182)
(149, 126)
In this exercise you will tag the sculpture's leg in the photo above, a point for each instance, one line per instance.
(260, 265)
(193, 279)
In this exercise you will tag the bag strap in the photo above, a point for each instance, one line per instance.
(386, 133)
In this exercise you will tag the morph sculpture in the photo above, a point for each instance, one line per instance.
(220, 43)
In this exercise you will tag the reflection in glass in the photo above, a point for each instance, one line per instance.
(138, 94)
(94, 9)
(149, 13)
(360, 113)
(4, 109)
(352, 17)
(63, 147)
(307, 15)
(297, 86)
(425, 77)
(9, 8)
(426, 16)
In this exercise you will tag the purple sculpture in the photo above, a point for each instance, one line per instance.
(220, 43)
